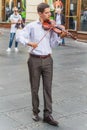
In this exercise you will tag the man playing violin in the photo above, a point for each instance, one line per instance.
(40, 62)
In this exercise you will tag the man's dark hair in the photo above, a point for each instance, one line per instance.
(41, 7)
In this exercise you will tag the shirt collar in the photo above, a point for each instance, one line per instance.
(38, 21)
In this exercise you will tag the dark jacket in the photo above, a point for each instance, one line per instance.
(19, 24)
(62, 18)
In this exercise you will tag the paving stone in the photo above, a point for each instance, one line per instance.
(7, 123)
(69, 88)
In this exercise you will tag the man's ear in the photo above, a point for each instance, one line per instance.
(39, 13)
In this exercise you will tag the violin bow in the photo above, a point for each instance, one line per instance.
(43, 37)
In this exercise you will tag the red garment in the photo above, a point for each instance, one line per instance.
(58, 4)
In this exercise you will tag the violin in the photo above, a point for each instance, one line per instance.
(59, 29)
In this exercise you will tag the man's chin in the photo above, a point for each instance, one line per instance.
(47, 19)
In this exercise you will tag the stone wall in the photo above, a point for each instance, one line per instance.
(31, 9)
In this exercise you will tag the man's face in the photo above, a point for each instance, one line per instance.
(46, 14)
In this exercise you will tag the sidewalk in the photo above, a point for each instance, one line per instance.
(69, 88)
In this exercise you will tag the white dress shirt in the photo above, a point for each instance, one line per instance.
(58, 19)
(33, 32)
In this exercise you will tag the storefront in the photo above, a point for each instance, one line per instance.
(29, 6)
(76, 16)
(7, 6)
(75, 13)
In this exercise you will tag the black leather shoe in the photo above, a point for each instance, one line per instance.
(49, 119)
(35, 117)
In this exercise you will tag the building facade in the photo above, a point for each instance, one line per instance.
(7, 5)
(75, 13)
(76, 17)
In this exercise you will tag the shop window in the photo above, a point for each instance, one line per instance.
(73, 14)
(83, 16)
(9, 4)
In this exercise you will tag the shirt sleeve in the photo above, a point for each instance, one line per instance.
(20, 17)
(23, 36)
(11, 18)
(55, 40)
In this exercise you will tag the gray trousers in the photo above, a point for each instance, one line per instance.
(41, 67)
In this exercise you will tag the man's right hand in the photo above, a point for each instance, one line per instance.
(32, 44)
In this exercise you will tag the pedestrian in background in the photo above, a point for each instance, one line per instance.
(71, 21)
(13, 19)
(40, 62)
(60, 20)
(85, 15)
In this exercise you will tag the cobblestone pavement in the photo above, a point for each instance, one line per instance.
(69, 88)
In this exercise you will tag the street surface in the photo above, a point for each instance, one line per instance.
(69, 88)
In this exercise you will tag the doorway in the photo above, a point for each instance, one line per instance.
(9, 4)
(71, 14)
(76, 15)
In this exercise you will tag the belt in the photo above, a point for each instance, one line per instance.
(40, 56)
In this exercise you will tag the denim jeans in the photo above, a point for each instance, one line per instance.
(63, 41)
(12, 35)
